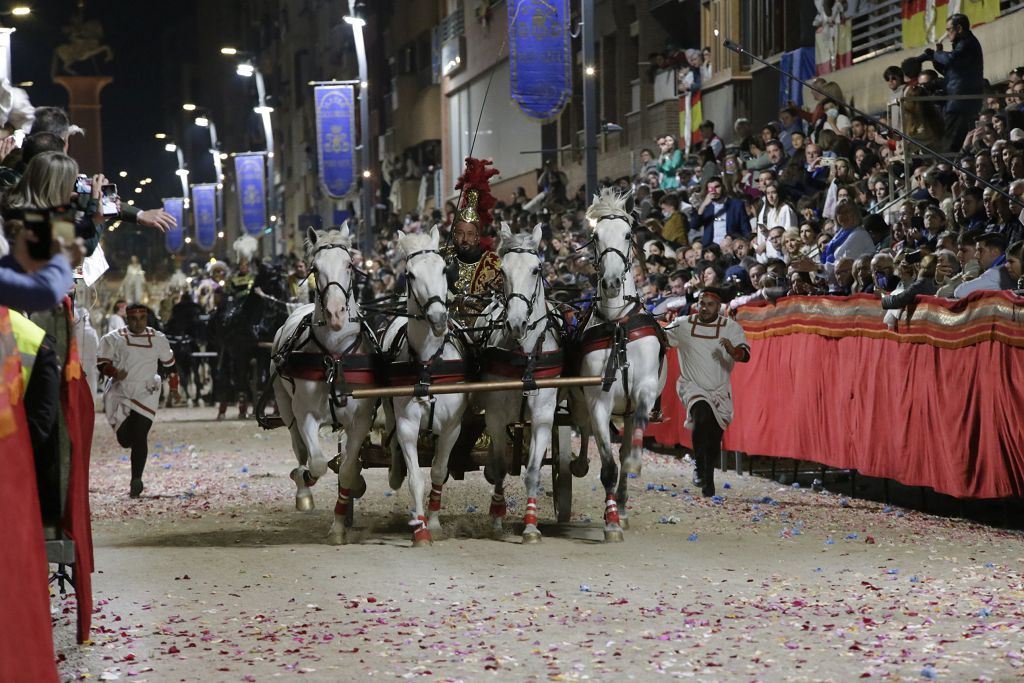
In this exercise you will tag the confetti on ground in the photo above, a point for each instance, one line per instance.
(213, 574)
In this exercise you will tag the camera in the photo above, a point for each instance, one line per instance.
(108, 194)
(44, 224)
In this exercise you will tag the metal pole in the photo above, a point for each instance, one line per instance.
(468, 387)
(268, 134)
(218, 172)
(182, 176)
(589, 97)
(366, 233)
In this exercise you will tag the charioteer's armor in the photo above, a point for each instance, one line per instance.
(474, 273)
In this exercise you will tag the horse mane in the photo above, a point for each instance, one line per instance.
(325, 237)
(413, 242)
(518, 240)
(610, 201)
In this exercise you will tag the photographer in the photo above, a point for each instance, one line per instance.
(962, 67)
(36, 274)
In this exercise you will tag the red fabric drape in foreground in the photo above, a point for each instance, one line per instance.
(918, 413)
(79, 414)
(26, 638)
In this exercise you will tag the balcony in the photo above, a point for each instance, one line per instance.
(876, 29)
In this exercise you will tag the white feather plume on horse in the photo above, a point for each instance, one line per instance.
(245, 247)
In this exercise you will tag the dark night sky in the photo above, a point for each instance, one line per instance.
(146, 43)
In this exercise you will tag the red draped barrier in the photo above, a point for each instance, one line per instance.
(26, 638)
(938, 402)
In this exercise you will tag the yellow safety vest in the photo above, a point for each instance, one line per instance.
(29, 338)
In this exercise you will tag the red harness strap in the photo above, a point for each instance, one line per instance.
(357, 369)
(512, 363)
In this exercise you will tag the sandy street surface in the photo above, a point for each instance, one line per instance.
(213, 576)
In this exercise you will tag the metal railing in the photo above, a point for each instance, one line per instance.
(876, 29)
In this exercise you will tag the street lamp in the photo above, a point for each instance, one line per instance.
(247, 68)
(203, 120)
(356, 18)
(182, 172)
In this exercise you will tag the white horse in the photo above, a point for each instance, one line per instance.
(424, 352)
(621, 343)
(526, 342)
(315, 344)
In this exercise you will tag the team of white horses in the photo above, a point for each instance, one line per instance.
(521, 322)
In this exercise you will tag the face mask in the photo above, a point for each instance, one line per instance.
(667, 214)
(831, 113)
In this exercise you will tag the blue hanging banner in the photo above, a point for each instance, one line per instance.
(204, 214)
(335, 135)
(540, 56)
(252, 196)
(175, 237)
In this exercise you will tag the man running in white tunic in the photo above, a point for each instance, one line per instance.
(709, 344)
(130, 358)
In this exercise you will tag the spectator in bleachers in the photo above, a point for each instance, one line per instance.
(719, 215)
(674, 229)
(669, 162)
(990, 250)
(963, 69)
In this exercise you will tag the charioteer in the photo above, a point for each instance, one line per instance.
(473, 271)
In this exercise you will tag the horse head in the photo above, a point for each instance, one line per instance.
(524, 286)
(328, 255)
(425, 279)
(613, 235)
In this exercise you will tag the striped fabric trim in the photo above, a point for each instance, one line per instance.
(942, 323)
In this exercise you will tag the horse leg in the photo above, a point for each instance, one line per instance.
(540, 440)
(580, 465)
(439, 470)
(495, 470)
(629, 460)
(407, 430)
(397, 470)
(350, 482)
(609, 470)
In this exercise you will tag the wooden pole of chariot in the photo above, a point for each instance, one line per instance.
(469, 387)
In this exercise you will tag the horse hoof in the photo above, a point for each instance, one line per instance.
(304, 503)
(336, 536)
(359, 489)
(422, 539)
(613, 536)
(531, 536)
(631, 466)
(579, 467)
(624, 522)
(433, 523)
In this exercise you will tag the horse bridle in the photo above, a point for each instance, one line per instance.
(612, 250)
(410, 277)
(537, 289)
(321, 292)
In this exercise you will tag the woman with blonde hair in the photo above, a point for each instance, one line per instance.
(48, 183)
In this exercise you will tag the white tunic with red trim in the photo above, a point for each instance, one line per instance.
(139, 355)
(704, 365)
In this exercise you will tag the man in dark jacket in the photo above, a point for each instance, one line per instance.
(963, 68)
(719, 215)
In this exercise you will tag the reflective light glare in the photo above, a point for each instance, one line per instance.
(170, 147)
(26, 84)
(366, 84)
(131, 202)
(716, 33)
(21, 11)
(188, 107)
(160, 136)
(355, 21)
(245, 70)
(273, 219)
(263, 110)
(590, 71)
(138, 190)
(369, 264)
(202, 121)
(188, 240)
(148, 180)
(223, 155)
(123, 174)
(182, 172)
(220, 234)
(366, 174)
(228, 51)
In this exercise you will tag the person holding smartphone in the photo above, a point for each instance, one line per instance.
(36, 274)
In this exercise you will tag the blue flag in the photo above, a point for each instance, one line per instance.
(252, 196)
(540, 56)
(175, 237)
(204, 214)
(335, 135)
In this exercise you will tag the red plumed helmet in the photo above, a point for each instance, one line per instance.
(477, 200)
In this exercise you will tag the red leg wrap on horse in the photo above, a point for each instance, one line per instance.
(611, 512)
(498, 507)
(434, 500)
(344, 500)
(421, 533)
(531, 512)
